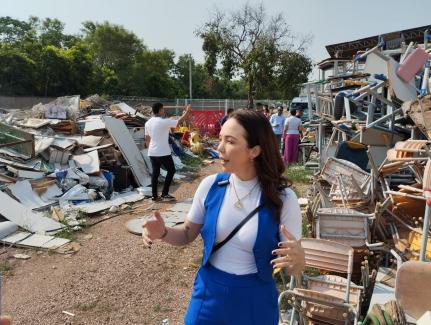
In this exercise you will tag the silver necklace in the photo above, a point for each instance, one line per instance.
(238, 204)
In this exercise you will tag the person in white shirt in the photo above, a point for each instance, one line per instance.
(157, 140)
(234, 285)
(277, 122)
(291, 135)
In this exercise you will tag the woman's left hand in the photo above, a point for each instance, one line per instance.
(291, 255)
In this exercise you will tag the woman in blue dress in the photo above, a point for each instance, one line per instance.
(250, 223)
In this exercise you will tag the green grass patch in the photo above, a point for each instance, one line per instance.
(298, 173)
(6, 268)
(66, 233)
(191, 163)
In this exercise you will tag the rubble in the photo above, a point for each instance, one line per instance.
(70, 158)
(372, 126)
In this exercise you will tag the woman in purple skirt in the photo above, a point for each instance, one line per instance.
(291, 135)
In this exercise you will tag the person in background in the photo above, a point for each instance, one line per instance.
(229, 113)
(157, 140)
(234, 285)
(259, 107)
(291, 135)
(277, 122)
(266, 111)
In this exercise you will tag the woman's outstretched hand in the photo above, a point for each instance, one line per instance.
(153, 229)
(5, 320)
(291, 255)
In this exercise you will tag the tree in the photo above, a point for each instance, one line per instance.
(13, 31)
(114, 49)
(17, 72)
(249, 44)
(152, 74)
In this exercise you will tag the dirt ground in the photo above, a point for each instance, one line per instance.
(112, 279)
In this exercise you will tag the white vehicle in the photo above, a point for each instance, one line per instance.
(299, 103)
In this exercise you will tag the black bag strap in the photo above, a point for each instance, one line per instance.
(236, 229)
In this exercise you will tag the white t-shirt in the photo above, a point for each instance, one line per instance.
(158, 130)
(293, 124)
(236, 256)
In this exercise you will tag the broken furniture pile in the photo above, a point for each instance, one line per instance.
(70, 158)
(372, 184)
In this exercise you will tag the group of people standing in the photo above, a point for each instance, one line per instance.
(287, 130)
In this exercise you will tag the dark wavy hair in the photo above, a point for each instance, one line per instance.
(269, 164)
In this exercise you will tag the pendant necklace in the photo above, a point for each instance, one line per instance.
(238, 204)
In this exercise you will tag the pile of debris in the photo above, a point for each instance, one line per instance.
(70, 158)
(368, 209)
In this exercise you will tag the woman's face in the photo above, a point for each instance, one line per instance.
(235, 155)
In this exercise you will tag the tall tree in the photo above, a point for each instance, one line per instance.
(17, 72)
(152, 74)
(114, 49)
(248, 43)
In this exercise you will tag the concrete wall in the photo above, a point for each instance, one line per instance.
(23, 102)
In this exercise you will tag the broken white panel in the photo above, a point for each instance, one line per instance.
(34, 123)
(375, 64)
(147, 160)
(137, 133)
(51, 194)
(34, 164)
(7, 228)
(63, 143)
(23, 191)
(55, 112)
(89, 162)
(41, 144)
(13, 153)
(121, 135)
(98, 147)
(124, 108)
(94, 125)
(55, 242)
(15, 238)
(87, 140)
(25, 218)
(403, 90)
(35, 240)
(77, 192)
(29, 174)
(58, 156)
(62, 107)
(98, 206)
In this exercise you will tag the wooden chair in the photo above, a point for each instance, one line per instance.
(330, 299)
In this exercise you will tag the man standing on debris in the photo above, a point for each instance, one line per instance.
(277, 122)
(291, 135)
(250, 222)
(157, 140)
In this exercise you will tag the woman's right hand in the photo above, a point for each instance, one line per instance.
(153, 229)
(5, 320)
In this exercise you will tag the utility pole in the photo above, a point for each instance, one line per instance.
(190, 76)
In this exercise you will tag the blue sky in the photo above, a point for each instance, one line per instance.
(171, 23)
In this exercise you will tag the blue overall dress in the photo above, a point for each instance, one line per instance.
(221, 298)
